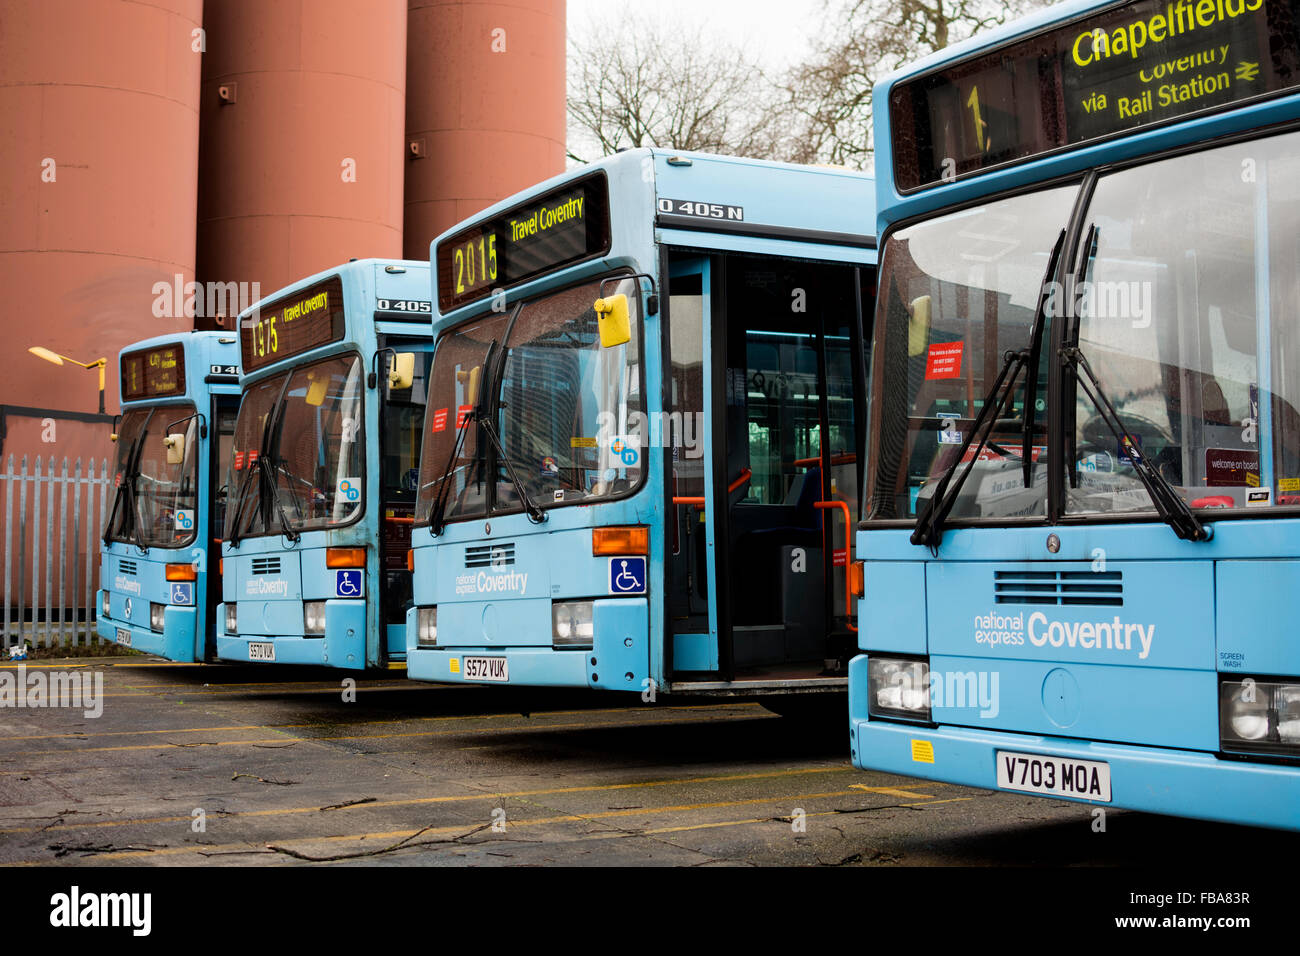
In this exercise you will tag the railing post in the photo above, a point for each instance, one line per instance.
(76, 539)
(63, 553)
(37, 475)
(9, 542)
(49, 554)
(103, 505)
(22, 546)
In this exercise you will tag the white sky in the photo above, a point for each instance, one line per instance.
(778, 30)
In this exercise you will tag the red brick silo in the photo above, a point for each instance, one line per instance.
(98, 171)
(301, 145)
(484, 107)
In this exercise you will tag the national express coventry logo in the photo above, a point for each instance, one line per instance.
(509, 582)
(1012, 630)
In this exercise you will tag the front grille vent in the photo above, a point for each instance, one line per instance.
(126, 567)
(1059, 587)
(490, 555)
(266, 565)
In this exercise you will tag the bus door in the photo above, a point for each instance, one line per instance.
(400, 421)
(766, 553)
(690, 532)
(225, 409)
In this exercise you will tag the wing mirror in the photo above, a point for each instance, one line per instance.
(612, 316)
(402, 374)
(175, 445)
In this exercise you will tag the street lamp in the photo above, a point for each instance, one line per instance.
(58, 359)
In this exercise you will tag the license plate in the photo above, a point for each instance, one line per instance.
(261, 651)
(487, 668)
(124, 636)
(1057, 776)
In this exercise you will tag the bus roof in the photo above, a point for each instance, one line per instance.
(756, 198)
(1068, 145)
(351, 267)
(203, 352)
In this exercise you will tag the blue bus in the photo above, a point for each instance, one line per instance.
(159, 570)
(1080, 512)
(641, 447)
(322, 472)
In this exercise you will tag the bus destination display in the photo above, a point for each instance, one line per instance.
(153, 373)
(309, 318)
(1105, 74)
(563, 227)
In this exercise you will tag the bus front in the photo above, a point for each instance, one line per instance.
(640, 462)
(322, 469)
(159, 569)
(1085, 445)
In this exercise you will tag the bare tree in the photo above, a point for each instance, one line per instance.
(636, 82)
(828, 97)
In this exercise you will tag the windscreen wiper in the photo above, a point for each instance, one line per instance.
(929, 523)
(234, 537)
(290, 530)
(535, 514)
(1031, 369)
(1168, 503)
(127, 489)
(439, 506)
(1070, 379)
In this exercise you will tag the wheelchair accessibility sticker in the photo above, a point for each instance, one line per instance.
(347, 583)
(184, 519)
(182, 593)
(627, 575)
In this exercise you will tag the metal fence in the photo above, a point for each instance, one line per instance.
(52, 524)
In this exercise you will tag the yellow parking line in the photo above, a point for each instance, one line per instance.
(892, 792)
(415, 733)
(395, 835)
(456, 798)
(362, 723)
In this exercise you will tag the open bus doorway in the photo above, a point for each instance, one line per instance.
(767, 364)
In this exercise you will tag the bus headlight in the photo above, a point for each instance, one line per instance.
(1259, 715)
(156, 612)
(426, 626)
(232, 618)
(313, 617)
(897, 687)
(103, 602)
(571, 624)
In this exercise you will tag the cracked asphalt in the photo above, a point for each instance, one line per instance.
(245, 765)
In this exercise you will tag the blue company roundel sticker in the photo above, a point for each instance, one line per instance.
(627, 575)
(347, 583)
(624, 448)
(182, 592)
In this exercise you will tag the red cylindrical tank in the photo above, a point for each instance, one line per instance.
(484, 106)
(98, 177)
(301, 137)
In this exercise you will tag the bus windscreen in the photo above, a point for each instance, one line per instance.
(1106, 74)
